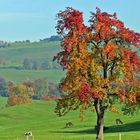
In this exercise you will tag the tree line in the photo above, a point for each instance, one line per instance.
(28, 90)
(29, 64)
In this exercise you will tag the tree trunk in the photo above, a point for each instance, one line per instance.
(100, 109)
(100, 127)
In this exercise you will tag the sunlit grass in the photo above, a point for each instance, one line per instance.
(21, 75)
(39, 117)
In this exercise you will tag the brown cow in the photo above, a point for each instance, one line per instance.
(69, 125)
(119, 121)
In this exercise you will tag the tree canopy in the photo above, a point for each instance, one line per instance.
(101, 65)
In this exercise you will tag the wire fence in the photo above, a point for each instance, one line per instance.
(116, 136)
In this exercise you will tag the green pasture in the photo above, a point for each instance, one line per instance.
(39, 51)
(21, 75)
(39, 117)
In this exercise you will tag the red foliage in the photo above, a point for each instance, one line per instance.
(87, 93)
(122, 94)
(107, 26)
(70, 19)
(71, 23)
(138, 97)
(99, 58)
(48, 98)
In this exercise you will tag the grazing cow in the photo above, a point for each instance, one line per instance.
(119, 121)
(29, 133)
(69, 125)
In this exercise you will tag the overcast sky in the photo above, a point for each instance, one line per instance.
(36, 19)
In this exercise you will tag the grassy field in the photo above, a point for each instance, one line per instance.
(39, 117)
(21, 75)
(39, 51)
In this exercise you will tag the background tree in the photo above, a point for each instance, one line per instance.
(4, 44)
(3, 88)
(54, 90)
(46, 65)
(35, 65)
(19, 94)
(27, 63)
(101, 65)
(2, 61)
(40, 88)
(54, 38)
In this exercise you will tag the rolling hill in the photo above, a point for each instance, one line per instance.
(14, 55)
(18, 76)
(39, 51)
(39, 117)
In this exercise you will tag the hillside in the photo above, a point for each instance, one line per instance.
(39, 117)
(15, 54)
(18, 76)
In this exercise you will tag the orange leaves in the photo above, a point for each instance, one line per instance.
(107, 26)
(122, 93)
(110, 49)
(69, 47)
(138, 97)
(85, 92)
(130, 36)
(70, 19)
(99, 26)
(132, 98)
(71, 26)
(114, 109)
(130, 62)
(19, 94)
(89, 92)
(98, 58)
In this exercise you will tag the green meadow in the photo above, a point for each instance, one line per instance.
(18, 76)
(39, 117)
(15, 54)
(38, 51)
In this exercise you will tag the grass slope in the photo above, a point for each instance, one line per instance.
(21, 75)
(39, 51)
(39, 117)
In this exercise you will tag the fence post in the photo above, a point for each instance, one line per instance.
(120, 136)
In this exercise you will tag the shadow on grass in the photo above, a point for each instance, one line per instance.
(129, 127)
(134, 126)
(5, 115)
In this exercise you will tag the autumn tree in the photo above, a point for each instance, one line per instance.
(40, 88)
(102, 67)
(20, 94)
(3, 87)
(27, 64)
